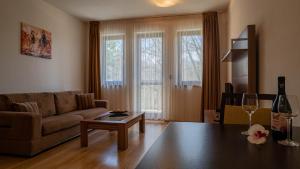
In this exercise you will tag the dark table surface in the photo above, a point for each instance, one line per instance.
(213, 146)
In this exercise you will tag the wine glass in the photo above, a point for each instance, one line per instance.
(288, 107)
(250, 105)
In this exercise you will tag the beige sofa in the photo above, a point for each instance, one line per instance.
(26, 133)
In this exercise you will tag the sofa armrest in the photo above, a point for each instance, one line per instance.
(20, 125)
(102, 103)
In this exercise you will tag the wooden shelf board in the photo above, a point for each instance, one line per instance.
(229, 55)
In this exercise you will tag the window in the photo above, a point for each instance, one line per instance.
(113, 60)
(190, 57)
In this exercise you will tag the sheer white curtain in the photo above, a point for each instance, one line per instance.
(186, 94)
(151, 72)
(115, 64)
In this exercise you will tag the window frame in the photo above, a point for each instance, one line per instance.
(179, 47)
(104, 66)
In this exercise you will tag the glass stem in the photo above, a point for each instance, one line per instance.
(250, 119)
(289, 129)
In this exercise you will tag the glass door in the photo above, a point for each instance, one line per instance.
(150, 74)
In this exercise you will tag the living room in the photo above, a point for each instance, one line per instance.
(149, 84)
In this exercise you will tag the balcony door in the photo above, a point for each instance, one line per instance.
(150, 74)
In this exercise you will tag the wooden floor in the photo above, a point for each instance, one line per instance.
(102, 152)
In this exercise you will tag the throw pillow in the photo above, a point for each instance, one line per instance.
(26, 107)
(85, 101)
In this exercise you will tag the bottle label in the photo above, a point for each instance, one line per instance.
(278, 123)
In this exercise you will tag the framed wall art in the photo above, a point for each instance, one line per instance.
(35, 41)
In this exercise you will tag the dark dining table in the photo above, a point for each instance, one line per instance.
(186, 145)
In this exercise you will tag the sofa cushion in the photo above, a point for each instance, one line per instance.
(27, 107)
(59, 122)
(65, 101)
(45, 101)
(90, 113)
(85, 101)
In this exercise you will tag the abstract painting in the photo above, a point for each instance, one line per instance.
(35, 41)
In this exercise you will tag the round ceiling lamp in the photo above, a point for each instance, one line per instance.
(165, 3)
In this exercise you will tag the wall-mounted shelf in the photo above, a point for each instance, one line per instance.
(239, 46)
(233, 54)
(243, 58)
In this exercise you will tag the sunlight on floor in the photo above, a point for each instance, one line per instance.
(101, 153)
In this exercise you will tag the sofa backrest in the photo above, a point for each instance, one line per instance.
(4, 103)
(45, 101)
(65, 101)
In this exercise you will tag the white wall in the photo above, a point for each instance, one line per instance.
(278, 28)
(20, 73)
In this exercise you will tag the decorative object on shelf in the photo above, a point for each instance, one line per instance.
(35, 41)
(257, 134)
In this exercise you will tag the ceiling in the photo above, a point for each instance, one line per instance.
(118, 9)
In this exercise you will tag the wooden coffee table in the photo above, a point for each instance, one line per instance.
(120, 124)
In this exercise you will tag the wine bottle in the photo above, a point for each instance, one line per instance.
(278, 123)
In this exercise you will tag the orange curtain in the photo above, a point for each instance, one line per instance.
(211, 62)
(94, 59)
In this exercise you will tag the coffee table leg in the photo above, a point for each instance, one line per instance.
(83, 134)
(142, 124)
(122, 138)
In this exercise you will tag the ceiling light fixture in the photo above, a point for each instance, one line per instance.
(165, 3)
